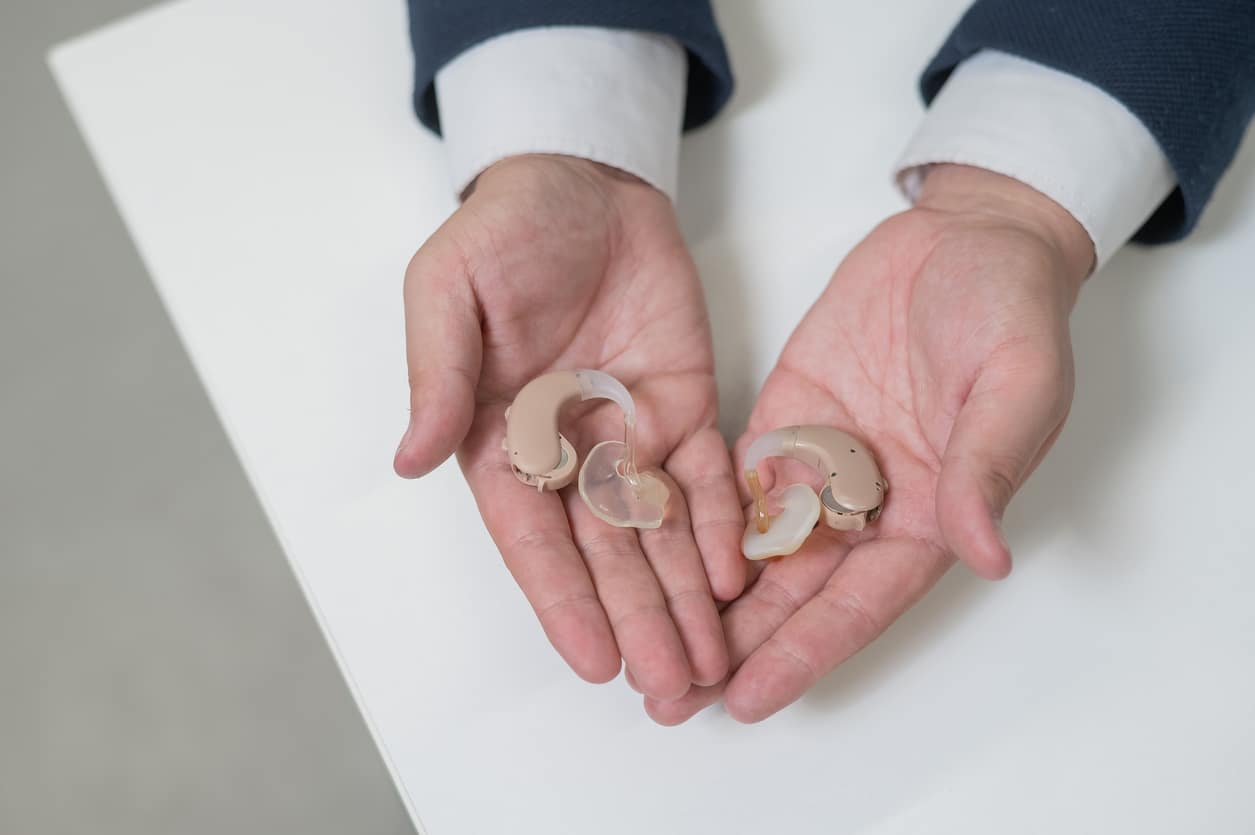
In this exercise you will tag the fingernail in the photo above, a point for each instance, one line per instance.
(405, 438)
(1002, 537)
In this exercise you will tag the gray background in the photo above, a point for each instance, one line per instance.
(160, 671)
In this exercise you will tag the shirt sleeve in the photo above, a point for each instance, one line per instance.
(1185, 68)
(612, 96)
(1052, 131)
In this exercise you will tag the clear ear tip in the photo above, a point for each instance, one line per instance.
(613, 497)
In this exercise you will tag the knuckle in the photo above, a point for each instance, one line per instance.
(546, 612)
(1002, 477)
(680, 596)
(668, 541)
(651, 609)
(716, 523)
(775, 596)
(794, 653)
(852, 614)
(607, 547)
(536, 541)
(712, 485)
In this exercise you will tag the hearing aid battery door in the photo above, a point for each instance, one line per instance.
(788, 530)
(613, 497)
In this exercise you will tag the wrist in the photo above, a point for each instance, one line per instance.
(963, 189)
(593, 172)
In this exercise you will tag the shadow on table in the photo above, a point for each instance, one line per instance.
(706, 152)
(705, 194)
(1115, 397)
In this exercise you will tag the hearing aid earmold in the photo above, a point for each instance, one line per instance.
(541, 457)
(852, 496)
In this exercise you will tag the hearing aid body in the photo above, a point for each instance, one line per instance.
(541, 457)
(852, 495)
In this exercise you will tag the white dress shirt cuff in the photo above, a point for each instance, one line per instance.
(613, 96)
(1052, 131)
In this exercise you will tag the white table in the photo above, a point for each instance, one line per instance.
(264, 158)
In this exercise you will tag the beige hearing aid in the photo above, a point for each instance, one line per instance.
(852, 495)
(542, 458)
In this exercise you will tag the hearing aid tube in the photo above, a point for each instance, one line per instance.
(599, 384)
(772, 444)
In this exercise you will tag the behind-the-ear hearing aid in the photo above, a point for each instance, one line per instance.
(852, 496)
(541, 457)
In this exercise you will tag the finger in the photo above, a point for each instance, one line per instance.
(779, 592)
(631, 680)
(876, 583)
(1009, 417)
(629, 592)
(672, 554)
(443, 352)
(703, 469)
(678, 711)
(531, 531)
(753, 618)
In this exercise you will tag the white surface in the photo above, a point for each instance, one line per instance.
(1063, 136)
(262, 153)
(603, 94)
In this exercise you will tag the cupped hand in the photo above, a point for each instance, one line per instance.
(556, 263)
(942, 341)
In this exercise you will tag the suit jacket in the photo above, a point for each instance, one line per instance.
(442, 29)
(1185, 68)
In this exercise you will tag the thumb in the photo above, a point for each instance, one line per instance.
(443, 351)
(1010, 419)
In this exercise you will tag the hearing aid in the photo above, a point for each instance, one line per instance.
(852, 496)
(541, 457)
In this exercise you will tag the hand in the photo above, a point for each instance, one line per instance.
(557, 263)
(942, 341)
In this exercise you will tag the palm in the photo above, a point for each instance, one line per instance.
(927, 329)
(583, 281)
(566, 266)
(905, 351)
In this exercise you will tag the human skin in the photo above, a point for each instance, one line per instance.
(942, 340)
(557, 263)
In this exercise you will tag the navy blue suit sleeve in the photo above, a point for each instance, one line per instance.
(1186, 68)
(442, 29)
